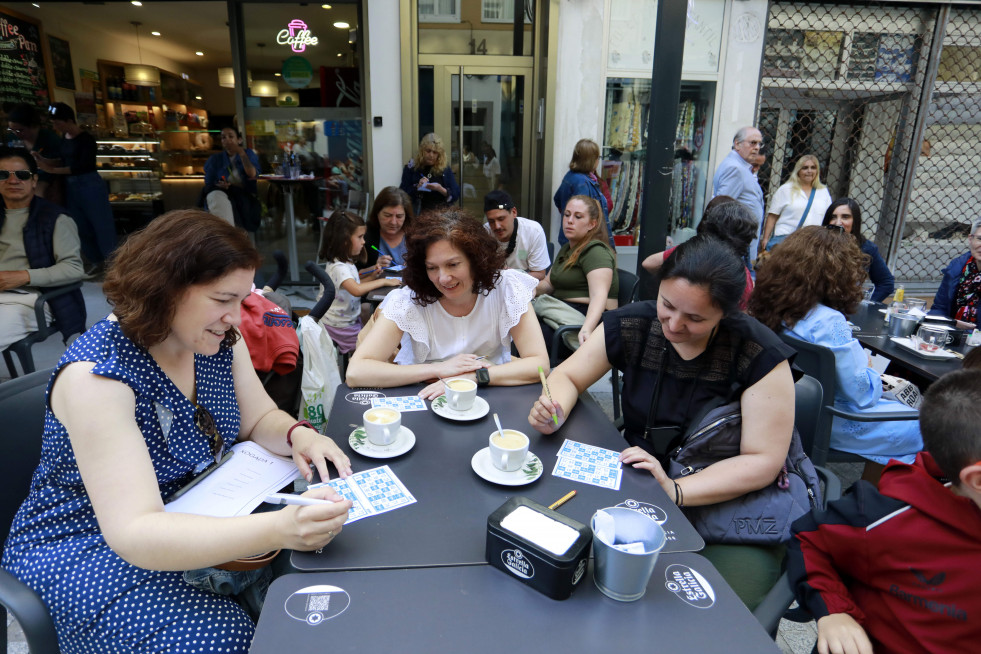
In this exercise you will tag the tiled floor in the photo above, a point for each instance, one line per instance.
(792, 638)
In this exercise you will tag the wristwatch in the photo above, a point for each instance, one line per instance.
(483, 377)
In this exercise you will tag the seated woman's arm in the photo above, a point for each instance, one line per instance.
(767, 425)
(545, 285)
(653, 263)
(568, 380)
(857, 382)
(879, 275)
(369, 366)
(120, 481)
(599, 281)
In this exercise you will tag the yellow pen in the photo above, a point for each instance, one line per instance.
(541, 375)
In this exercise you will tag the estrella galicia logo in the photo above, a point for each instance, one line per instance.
(580, 569)
(652, 511)
(931, 583)
(363, 397)
(314, 604)
(689, 586)
(515, 561)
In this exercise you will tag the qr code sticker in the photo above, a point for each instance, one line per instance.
(318, 602)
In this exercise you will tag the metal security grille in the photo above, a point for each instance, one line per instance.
(852, 84)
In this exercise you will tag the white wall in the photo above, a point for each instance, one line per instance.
(739, 76)
(383, 52)
(579, 92)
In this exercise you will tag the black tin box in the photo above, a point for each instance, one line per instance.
(551, 575)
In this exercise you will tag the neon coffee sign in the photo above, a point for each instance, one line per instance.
(296, 35)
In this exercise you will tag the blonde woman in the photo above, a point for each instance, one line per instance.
(801, 200)
(583, 274)
(428, 179)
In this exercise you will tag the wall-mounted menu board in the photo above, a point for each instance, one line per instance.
(23, 70)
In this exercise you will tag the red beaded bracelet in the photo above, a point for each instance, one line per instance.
(302, 423)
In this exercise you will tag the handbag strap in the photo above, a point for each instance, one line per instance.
(810, 200)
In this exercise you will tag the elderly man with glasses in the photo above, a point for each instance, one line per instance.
(39, 248)
(735, 177)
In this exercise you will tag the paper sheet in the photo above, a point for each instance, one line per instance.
(371, 492)
(239, 485)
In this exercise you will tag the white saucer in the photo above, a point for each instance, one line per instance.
(404, 441)
(529, 472)
(442, 408)
(907, 344)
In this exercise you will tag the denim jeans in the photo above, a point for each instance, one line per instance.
(247, 587)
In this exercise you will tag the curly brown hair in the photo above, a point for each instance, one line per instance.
(464, 232)
(149, 273)
(814, 265)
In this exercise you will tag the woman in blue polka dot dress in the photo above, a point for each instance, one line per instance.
(137, 404)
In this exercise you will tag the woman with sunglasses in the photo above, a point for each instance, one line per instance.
(847, 215)
(807, 287)
(959, 294)
(138, 406)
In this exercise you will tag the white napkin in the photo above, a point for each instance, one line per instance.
(549, 534)
(605, 527)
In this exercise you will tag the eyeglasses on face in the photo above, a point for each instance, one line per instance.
(835, 228)
(206, 425)
(973, 237)
(22, 175)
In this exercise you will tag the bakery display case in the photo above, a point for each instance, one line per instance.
(131, 171)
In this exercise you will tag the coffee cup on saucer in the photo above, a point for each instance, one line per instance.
(460, 393)
(382, 424)
(508, 449)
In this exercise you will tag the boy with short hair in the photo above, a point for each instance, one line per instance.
(897, 568)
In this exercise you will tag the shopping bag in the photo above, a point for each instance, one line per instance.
(321, 376)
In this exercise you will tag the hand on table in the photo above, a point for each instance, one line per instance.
(393, 281)
(839, 633)
(384, 261)
(541, 414)
(307, 528)
(641, 459)
(309, 446)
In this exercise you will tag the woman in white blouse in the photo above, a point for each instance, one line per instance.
(801, 201)
(456, 316)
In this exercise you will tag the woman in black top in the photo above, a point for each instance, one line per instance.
(703, 349)
(428, 179)
(88, 196)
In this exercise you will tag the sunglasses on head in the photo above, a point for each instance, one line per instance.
(206, 425)
(22, 175)
(835, 228)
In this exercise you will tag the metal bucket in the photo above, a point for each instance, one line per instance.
(902, 325)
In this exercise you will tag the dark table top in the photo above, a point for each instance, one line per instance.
(478, 609)
(873, 334)
(448, 523)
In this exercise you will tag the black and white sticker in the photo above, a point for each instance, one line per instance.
(363, 397)
(652, 511)
(519, 565)
(689, 586)
(314, 604)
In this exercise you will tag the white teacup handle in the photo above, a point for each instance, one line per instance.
(504, 461)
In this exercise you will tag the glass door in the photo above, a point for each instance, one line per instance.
(482, 114)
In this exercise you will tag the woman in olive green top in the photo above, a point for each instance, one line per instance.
(583, 274)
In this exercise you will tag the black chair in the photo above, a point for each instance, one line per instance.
(808, 407)
(22, 407)
(22, 348)
(819, 362)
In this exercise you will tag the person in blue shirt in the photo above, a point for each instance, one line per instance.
(230, 187)
(582, 180)
(959, 294)
(846, 213)
(735, 177)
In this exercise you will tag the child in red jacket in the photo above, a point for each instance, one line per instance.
(897, 568)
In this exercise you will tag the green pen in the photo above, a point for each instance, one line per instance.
(541, 375)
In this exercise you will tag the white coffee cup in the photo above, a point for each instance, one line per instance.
(460, 393)
(382, 424)
(508, 449)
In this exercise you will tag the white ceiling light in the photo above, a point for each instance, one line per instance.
(155, 33)
(139, 74)
(264, 88)
(341, 25)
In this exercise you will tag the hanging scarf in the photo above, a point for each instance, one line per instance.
(968, 295)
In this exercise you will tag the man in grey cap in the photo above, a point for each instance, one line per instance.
(523, 239)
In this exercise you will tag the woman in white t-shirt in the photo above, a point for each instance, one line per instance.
(457, 316)
(788, 205)
(343, 244)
